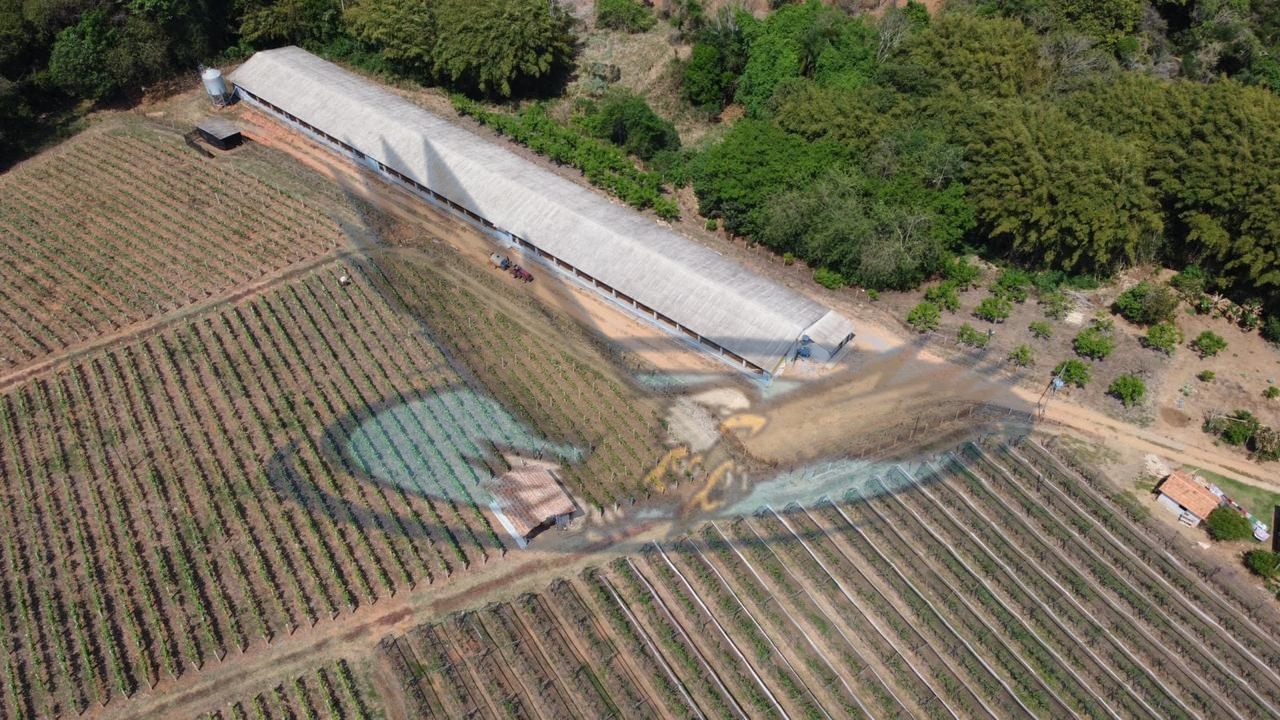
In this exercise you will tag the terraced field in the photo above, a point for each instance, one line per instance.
(1004, 586)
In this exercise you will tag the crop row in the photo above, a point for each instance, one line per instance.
(135, 472)
(333, 692)
(84, 253)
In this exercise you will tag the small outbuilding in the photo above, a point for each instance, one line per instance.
(219, 132)
(1184, 494)
(529, 499)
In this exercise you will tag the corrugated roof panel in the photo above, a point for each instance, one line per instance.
(697, 287)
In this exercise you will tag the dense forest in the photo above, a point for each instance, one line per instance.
(1076, 137)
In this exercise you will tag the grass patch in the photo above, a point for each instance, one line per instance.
(1256, 500)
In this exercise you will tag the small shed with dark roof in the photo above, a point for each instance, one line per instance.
(219, 132)
(1183, 493)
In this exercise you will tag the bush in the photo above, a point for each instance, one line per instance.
(1072, 372)
(1094, 343)
(1128, 389)
(1237, 429)
(1056, 304)
(1226, 524)
(627, 15)
(1206, 376)
(1163, 336)
(1263, 563)
(925, 317)
(1271, 329)
(1012, 285)
(944, 295)
(1271, 393)
(994, 309)
(1041, 329)
(961, 272)
(711, 224)
(626, 120)
(971, 336)
(1022, 356)
(1147, 304)
(829, 279)
(1208, 344)
(1191, 282)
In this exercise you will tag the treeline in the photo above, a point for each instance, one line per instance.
(1043, 134)
(59, 58)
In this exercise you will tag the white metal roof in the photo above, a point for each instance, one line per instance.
(697, 287)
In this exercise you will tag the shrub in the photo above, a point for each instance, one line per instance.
(1271, 393)
(627, 15)
(1093, 343)
(829, 279)
(712, 224)
(961, 272)
(1056, 305)
(994, 309)
(1022, 356)
(924, 317)
(1263, 563)
(944, 295)
(1041, 329)
(1266, 444)
(1128, 389)
(971, 336)
(1206, 376)
(1271, 329)
(873, 294)
(626, 120)
(1226, 524)
(1147, 304)
(1012, 285)
(1208, 344)
(1191, 282)
(1072, 372)
(1237, 428)
(1163, 336)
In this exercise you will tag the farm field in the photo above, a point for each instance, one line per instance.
(1004, 586)
(124, 224)
(335, 691)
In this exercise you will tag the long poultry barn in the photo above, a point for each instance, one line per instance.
(657, 273)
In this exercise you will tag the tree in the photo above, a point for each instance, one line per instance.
(980, 55)
(1147, 304)
(1227, 524)
(971, 336)
(300, 22)
(1128, 389)
(1056, 304)
(962, 272)
(79, 59)
(1237, 429)
(626, 120)
(1041, 330)
(924, 317)
(944, 295)
(1093, 343)
(1061, 195)
(1072, 372)
(499, 47)
(1208, 344)
(1164, 337)
(626, 15)
(1263, 563)
(1013, 285)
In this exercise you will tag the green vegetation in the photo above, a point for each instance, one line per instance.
(1263, 563)
(1259, 501)
(1128, 389)
(1226, 524)
(1206, 375)
(944, 295)
(1056, 304)
(924, 317)
(1147, 304)
(627, 15)
(1012, 285)
(626, 120)
(1094, 342)
(1072, 372)
(994, 309)
(963, 273)
(1163, 336)
(1271, 393)
(972, 337)
(1022, 356)
(1041, 329)
(1208, 344)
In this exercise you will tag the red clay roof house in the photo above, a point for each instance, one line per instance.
(1187, 492)
(529, 497)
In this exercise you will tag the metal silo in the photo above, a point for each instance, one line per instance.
(215, 85)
